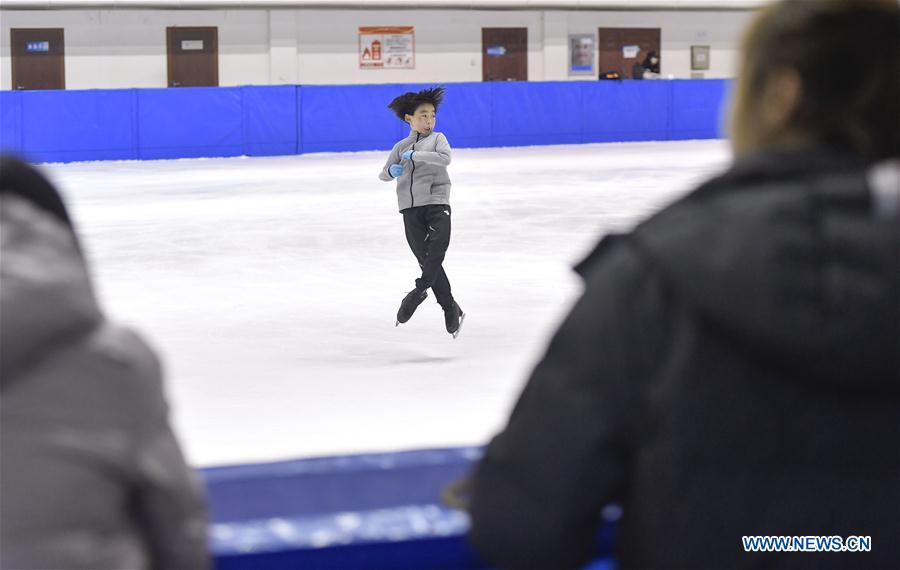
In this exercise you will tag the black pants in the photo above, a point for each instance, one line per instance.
(428, 235)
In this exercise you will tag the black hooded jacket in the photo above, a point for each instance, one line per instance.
(732, 369)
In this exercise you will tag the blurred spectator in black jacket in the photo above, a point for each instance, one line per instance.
(733, 367)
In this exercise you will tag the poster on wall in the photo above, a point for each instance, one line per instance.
(581, 54)
(699, 57)
(386, 47)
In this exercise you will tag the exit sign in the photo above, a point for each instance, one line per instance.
(37, 47)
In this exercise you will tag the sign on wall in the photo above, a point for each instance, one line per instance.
(37, 47)
(385, 47)
(699, 57)
(581, 54)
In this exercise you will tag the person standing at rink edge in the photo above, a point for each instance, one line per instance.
(733, 367)
(91, 475)
(419, 165)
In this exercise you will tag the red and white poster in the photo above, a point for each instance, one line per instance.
(387, 47)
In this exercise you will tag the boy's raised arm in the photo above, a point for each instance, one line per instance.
(440, 156)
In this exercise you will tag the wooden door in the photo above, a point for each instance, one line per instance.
(504, 54)
(38, 58)
(615, 42)
(193, 56)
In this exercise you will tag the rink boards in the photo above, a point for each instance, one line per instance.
(372, 511)
(145, 124)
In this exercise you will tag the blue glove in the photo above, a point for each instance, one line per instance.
(396, 170)
(407, 155)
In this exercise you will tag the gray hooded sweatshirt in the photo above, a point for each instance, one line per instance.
(424, 180)
(91, 475)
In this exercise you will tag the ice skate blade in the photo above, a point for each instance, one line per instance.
(462, 317)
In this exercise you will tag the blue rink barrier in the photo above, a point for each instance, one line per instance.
(65, 126)
(377, 511)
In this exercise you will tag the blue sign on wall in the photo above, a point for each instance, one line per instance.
(496, 50)
(37, 47)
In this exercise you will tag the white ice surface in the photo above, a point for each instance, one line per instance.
(269, 286)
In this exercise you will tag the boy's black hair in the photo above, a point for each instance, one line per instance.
(407, 103)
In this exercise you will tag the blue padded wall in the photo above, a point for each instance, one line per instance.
(270, 120)
(190, 122)
(466, 115)
(309, 487)
(358, 512)
(698, 110)
(535, 113)
(349, 117)
(49, 126)
(63, 126)
(619, 111)
(10, 121)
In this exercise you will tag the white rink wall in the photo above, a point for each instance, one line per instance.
(107, 49)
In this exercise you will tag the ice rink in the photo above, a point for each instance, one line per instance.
(269, 286)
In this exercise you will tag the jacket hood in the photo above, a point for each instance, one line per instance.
(45, 292)
(797, 255)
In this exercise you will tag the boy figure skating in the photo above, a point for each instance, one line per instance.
(419, 165)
